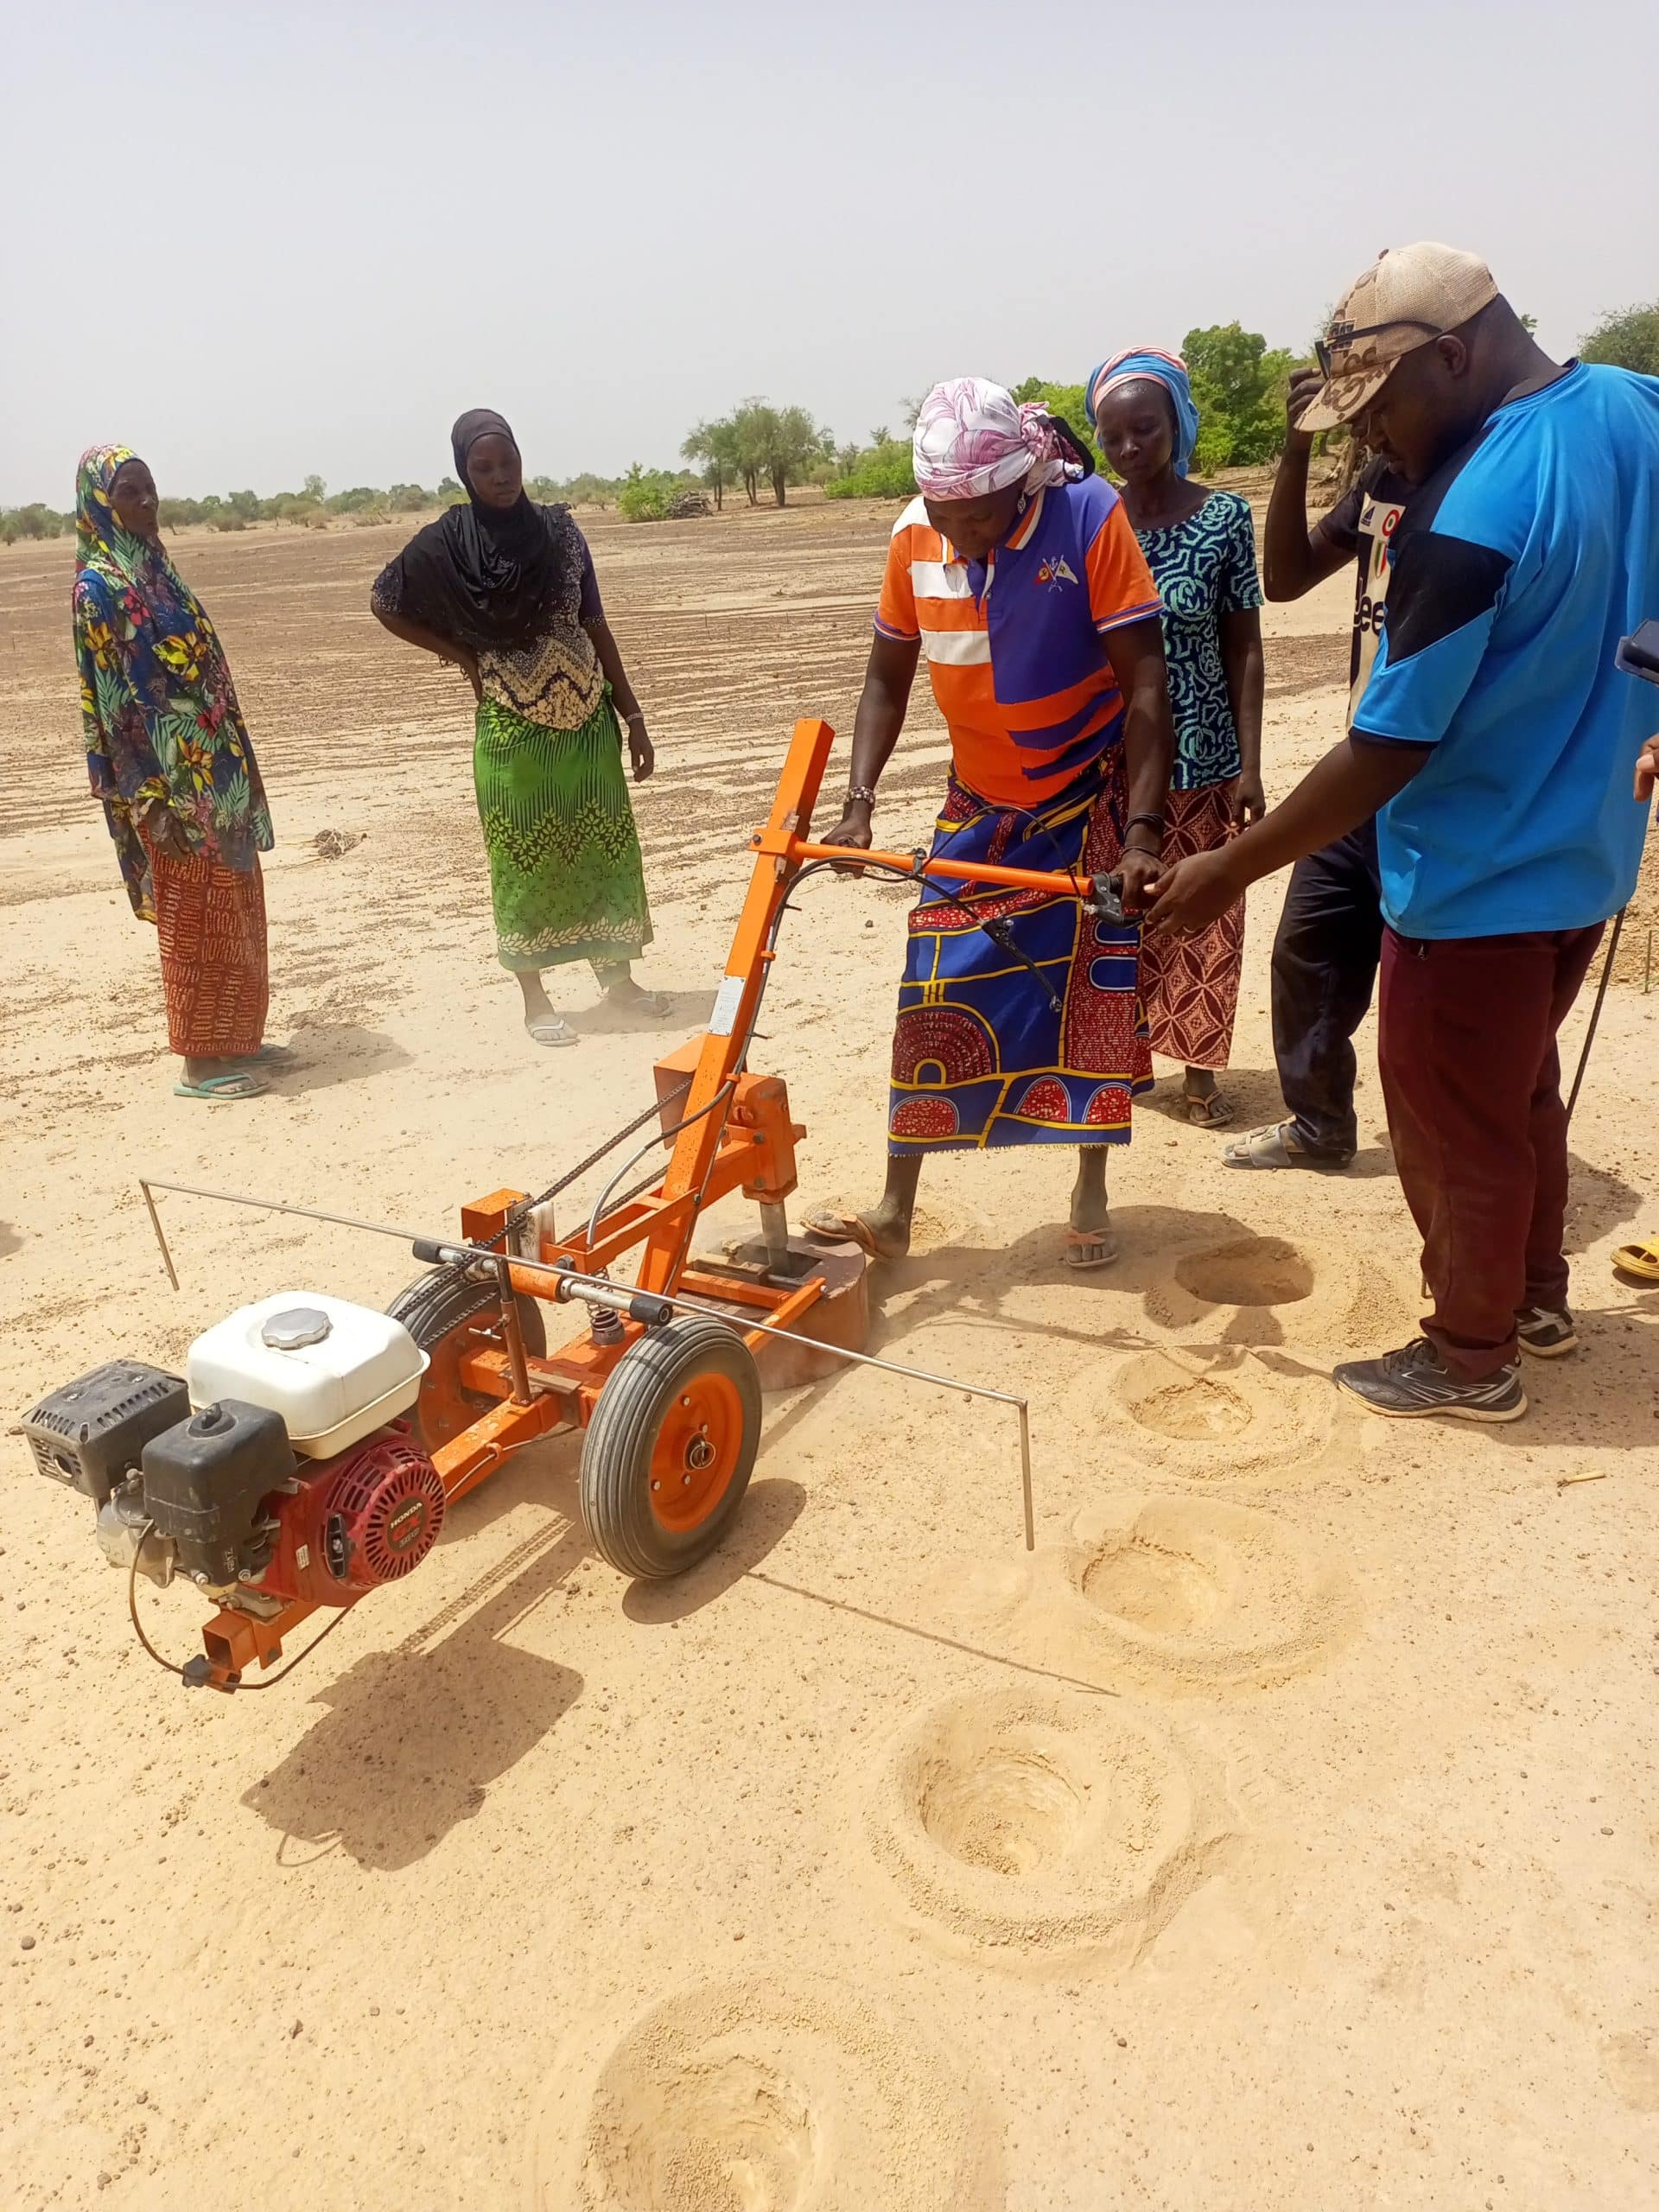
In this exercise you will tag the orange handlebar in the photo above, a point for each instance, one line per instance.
(1016, 879)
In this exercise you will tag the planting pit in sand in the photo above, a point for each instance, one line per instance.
(1210, 1412)
(1040, 1825)
(1195, 1594)
(1248, 1271)
(748, 2096)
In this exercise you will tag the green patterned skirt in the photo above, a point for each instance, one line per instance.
(566, 878)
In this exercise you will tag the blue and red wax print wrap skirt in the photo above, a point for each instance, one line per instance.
(981, 1055)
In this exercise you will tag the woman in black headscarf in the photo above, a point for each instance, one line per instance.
(505, 590)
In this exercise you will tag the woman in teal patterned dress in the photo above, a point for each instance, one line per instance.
(1201, 549)
(506, 590)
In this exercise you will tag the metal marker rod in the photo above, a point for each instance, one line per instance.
(310, 1213)
(596, 1289)
(156, 1224)
(1595, 1011)
(1024, 1473)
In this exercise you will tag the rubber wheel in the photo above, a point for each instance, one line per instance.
(440, 1311)
(668, 1453)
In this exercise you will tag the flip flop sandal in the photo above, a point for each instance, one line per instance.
(222, 1086)
(831, 1226)
(1090, 1248)
(1207, 1110)
(653, 1005)
(1639, 1260)
(549, 1029)
(1271, 1147)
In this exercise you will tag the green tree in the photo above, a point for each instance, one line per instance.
(35, 520)
(774, 445)
(883, 472)
(795, 443)
(1239, 386)
(715, 445)
(1625, 338)
(751, 431)
(314, 488)
(650, 494)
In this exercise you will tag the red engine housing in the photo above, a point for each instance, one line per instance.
(369, 1517)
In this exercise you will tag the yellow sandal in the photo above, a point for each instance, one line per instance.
(1640, 1260)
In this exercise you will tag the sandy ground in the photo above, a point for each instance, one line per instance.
(1284, 1832)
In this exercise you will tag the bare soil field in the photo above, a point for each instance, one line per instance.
(1284, 1832)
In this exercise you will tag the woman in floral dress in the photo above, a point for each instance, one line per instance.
(1201, 549)
(170, 757)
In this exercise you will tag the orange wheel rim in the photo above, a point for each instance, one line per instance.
(697, 1452)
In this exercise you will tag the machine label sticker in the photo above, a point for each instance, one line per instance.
(302, 1557)
(725, 1012)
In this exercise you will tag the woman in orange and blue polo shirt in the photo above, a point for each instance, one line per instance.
(1016, 572)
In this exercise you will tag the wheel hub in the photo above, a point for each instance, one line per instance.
(696, 1449)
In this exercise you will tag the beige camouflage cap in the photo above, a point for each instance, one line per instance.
(1409, 295)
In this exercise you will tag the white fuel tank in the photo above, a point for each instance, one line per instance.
(333, 1370)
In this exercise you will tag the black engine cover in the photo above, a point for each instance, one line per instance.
(203, 1480)
(93, 1431)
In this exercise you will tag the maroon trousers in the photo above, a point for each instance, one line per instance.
(1472, 1080)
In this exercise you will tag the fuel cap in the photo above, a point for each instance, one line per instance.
(295, 1327)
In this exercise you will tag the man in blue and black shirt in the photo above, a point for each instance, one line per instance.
(1495, 741)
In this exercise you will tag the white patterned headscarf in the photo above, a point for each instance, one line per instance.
(973, 438)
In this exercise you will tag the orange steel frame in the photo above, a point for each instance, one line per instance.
(749, 1146)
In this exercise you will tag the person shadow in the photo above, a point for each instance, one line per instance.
(1255, 1099)
(328, 1054)
(1598, 1201)
(1181, 1267)
(687, 1011)
(1602, 1396)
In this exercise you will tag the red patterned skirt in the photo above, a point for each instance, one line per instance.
(985, 1054)
(1189, 985)
(211, 920)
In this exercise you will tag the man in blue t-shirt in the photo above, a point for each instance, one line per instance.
(1497, 739)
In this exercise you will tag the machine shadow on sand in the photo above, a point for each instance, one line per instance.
(414, 1735)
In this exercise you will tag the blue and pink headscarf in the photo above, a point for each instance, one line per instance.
(1149, 365)
(973, 438)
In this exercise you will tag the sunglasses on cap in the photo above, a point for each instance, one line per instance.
(1325, 349)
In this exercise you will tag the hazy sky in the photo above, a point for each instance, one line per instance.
(253, 241)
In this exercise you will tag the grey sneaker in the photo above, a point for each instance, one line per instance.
(1412, 1381)
(1546, 1332)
